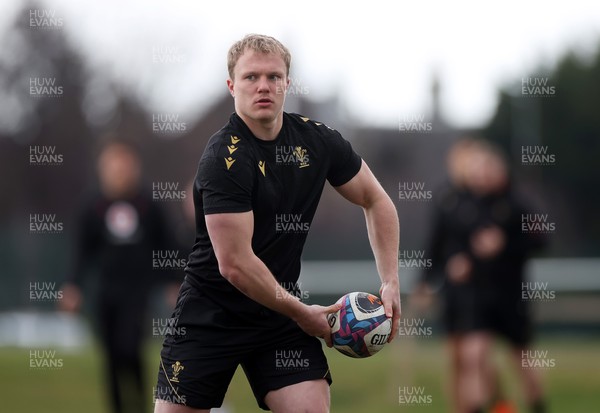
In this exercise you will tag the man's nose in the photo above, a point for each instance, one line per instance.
(263, 84)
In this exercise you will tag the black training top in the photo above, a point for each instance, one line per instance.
(118, 238)
(281, 181)
(458, 216)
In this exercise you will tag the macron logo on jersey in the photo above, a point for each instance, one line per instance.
(231, 148)
(229, 161)
(305, 119)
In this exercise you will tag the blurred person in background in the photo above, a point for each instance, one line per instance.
(119, 227)
(478, 252)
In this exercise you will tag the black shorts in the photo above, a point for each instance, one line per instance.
(468, 309)
(207, 343)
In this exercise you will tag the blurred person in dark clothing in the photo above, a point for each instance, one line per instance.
(478, 252)
(119, 228)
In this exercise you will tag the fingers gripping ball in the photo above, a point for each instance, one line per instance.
(360, 328)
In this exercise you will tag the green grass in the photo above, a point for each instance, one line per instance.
(359, 385)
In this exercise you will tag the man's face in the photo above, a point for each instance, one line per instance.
(119, 171)
(486, 173)
(259, 86)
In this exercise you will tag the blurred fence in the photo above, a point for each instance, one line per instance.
(335, 277)
(565, 292)
(568, 299)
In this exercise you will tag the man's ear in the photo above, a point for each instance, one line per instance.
(230, 87)
(287, 82)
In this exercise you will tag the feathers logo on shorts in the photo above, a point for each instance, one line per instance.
(177, 368)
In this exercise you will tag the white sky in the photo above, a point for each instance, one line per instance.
(378, 55)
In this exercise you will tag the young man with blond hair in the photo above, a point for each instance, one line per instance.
(239, 301)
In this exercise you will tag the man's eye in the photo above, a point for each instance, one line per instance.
(250, 77)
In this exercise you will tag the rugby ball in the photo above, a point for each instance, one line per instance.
(360, 327)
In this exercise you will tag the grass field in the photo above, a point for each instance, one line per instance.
(370, 385)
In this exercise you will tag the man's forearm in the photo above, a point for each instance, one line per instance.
(252, 277)
(383, 228)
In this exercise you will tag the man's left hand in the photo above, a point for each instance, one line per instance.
(390, 296)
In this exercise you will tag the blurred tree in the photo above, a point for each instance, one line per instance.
(37, 116)
(71, 122)
(567, 123)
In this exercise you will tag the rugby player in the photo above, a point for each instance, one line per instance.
(238, 302)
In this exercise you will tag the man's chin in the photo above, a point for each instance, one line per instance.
(264, 115)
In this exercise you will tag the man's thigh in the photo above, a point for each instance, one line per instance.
(307, 396)
(288, 359)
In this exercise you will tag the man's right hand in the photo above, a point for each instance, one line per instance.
(313, 320)
(459, 268)
(71, 299)
(488, 242)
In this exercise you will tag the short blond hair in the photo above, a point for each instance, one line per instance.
(258, 43)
